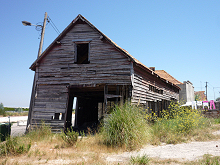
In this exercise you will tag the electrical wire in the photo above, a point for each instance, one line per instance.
(53, 25)
(210, 84)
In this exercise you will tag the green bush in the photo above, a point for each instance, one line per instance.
(125, 126)
(14, 146)
(70, 137)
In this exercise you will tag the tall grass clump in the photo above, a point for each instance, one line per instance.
(177, 123)
(14, 146)
(41, 132)
(125, 127)
(140, 160)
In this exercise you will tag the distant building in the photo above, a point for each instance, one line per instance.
(186, 93)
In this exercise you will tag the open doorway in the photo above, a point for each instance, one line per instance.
(91, 104)
(85, 101)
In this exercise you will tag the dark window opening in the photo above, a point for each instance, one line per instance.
(154, 89)
(58, 116)
(82, 53)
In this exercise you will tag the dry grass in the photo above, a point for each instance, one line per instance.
(52, 150)
(48, 148)
(88, 150)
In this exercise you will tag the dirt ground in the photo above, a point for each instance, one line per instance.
(182, 152)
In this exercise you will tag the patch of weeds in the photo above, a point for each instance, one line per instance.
(216, 120)
(211, 160)
(38, 133)
(14, 146)
(206, 160)
(70, 137)
(178, 124)
(140, 160)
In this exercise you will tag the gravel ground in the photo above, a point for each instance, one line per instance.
(186, 151)
(182, 152)
(191, 151)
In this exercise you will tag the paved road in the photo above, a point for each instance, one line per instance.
(17, 130)
(13, 119)
(19, 124)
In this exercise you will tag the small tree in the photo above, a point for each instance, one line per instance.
(2, 110)
(19, 110)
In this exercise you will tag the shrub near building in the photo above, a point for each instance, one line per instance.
(126, 127)
(177, 123)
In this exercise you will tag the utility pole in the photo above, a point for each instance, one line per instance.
(25, 23)
(42, 35)
(206, 90)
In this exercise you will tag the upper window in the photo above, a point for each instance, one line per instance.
(82, 53)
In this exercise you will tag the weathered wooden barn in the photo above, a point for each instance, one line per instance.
(84, 63)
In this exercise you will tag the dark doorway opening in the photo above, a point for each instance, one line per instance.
(86, 105)
(92, 104)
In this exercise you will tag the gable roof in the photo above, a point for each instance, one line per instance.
(81, 18)
(67, 29)
(167, 76)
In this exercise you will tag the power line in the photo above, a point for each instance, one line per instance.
(210, 84)
(53, 25)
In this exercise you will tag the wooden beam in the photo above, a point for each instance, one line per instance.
(105, 97)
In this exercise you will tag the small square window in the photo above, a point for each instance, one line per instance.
(82, 53)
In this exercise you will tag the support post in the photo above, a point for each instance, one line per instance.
(117, 93)
(105, 98)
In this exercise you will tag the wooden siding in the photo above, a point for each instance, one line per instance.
(49, 99)
(107, 65)
(57, 70)
(109, 75)
(141, 93)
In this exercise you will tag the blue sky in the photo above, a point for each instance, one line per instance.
(180, 37)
